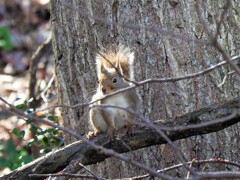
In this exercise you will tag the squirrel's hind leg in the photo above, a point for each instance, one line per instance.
(97, 123)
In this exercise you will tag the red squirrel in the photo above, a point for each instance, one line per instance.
(113, 70)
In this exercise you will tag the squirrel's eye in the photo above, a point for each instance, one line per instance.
(114, 80)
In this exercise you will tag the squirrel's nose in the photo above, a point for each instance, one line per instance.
(104, 90)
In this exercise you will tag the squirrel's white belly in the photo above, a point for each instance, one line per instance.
(117, 100)
(119, 115)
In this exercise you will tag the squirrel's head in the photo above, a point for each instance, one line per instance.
(111, 79)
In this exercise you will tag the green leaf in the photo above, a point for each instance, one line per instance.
(5, 39)
(11, 157)
(42, 117)
(33, 129)
(45, 140)
(22, 134)
(15, 131)
(21, 106)
(3, 162)
(53, 118)
(19, 134)
(10, 149)
(55, 131)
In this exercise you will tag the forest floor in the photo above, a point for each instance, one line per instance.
(24, 27)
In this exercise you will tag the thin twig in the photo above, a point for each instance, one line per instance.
(147, 81)
(220, 161)
(62, 174)
(42, 94)
(223, 81)
(89, 171)
(217, 175)
(190, 166)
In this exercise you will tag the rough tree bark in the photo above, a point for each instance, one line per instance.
(159, 54)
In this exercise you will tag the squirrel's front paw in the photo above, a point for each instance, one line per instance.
(92, 134)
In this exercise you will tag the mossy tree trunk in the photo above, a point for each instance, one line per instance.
(78, 34)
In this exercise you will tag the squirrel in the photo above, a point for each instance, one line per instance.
(114, 68)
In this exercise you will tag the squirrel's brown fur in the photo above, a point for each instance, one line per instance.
(112, 69)
(108, 59)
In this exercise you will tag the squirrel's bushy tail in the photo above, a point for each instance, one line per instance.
(109, 58)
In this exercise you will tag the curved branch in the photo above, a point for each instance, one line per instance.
(143, 137)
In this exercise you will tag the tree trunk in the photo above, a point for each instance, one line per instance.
(79, 31)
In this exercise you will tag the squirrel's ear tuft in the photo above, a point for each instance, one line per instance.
(119, 68)
(103, 70)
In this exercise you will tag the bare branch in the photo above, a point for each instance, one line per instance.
(43, 49)
(75, 166)
(218, 175)
(208, 161)
(60, 175)
(148, 81)
(101, 149)
(89, 153)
